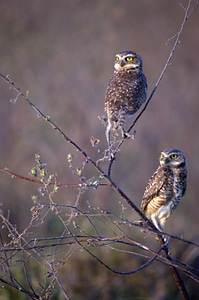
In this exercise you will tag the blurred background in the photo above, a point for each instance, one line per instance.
(62, 52)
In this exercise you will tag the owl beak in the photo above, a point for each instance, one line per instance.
(119, 65)
(122, 63)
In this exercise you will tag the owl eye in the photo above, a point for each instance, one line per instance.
(174, 156)
(117, 58)
(129, 58)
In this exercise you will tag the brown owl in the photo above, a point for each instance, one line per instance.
(165, 188)
(126, 92)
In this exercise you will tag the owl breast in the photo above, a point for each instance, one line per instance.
(126, 92)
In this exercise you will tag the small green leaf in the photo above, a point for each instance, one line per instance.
(79, 171)
(33, 172)
(55, 188)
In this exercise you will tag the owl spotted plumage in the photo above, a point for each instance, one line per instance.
(126, 92)
(165, 188)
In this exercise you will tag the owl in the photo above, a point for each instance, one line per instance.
(126, 92)
(165, 188)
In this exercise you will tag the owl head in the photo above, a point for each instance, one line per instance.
(173, 158)
(127, 60)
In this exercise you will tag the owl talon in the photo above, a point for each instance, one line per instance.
(127, 135)
(111, 156)
(166, 246)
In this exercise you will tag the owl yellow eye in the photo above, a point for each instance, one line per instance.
(129, 58)
(174, 156)
(116, 58)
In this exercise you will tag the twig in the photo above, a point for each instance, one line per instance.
(177, 40)
(58, 184)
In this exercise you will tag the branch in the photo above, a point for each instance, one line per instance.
(188, 11)
(58, 184)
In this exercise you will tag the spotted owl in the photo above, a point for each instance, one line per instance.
(125, 93)
(165, 188)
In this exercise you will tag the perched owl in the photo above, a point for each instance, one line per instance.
(126, 92)
(165, 188)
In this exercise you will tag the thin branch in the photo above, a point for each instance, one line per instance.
(62, 288)
(177, 277)
(107, 266)
(188, 10)
(58, 184)
(20, 288)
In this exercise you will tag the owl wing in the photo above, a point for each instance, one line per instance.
(153, 187)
